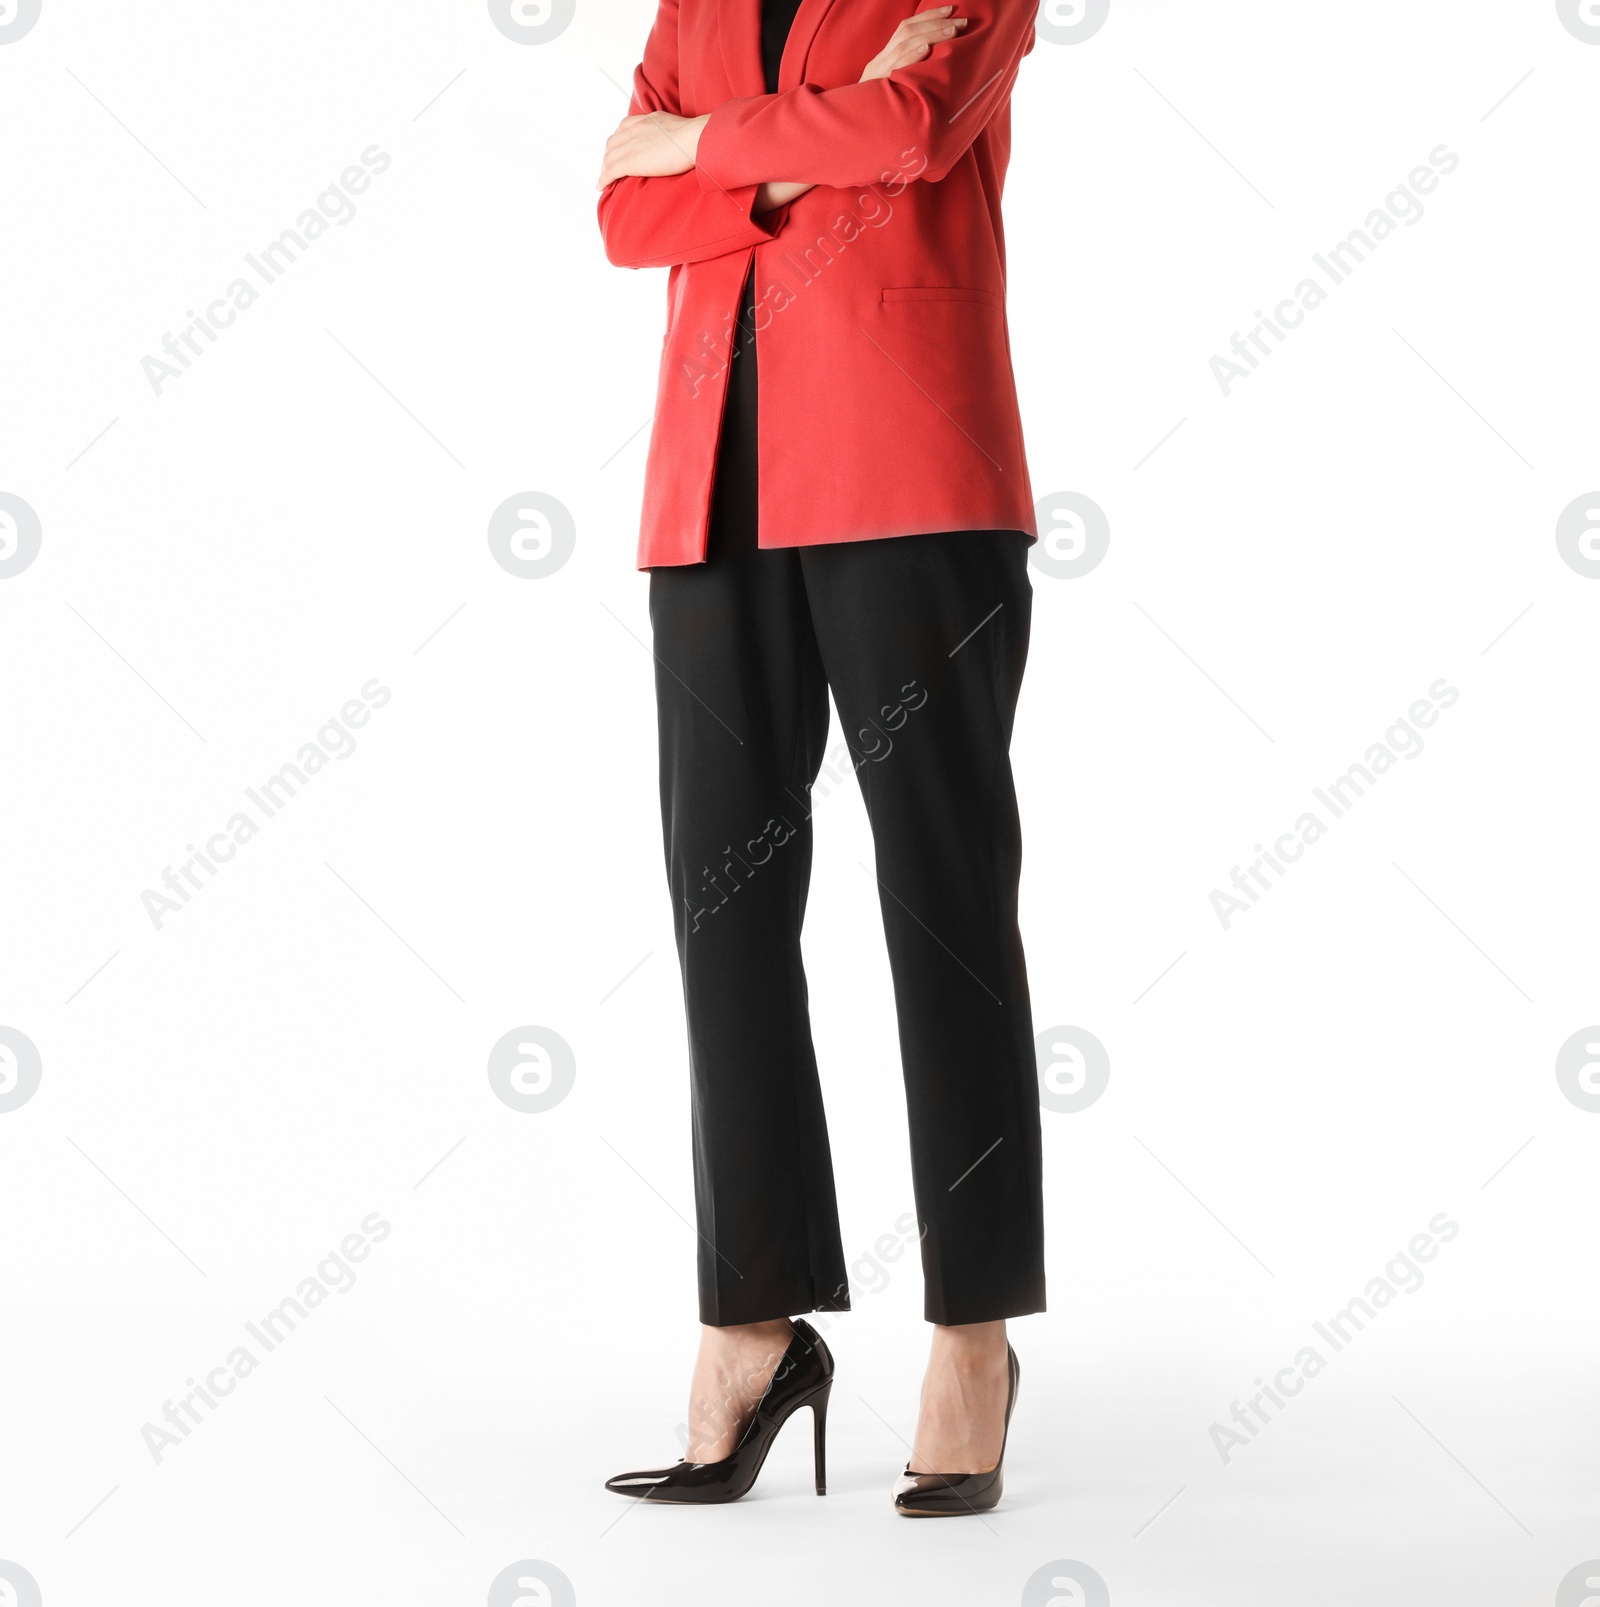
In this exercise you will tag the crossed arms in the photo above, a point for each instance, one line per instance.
(683, 189)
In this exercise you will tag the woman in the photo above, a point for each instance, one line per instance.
(861, 526)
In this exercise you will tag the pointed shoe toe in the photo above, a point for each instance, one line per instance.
(946, 1495)
(641, 1483)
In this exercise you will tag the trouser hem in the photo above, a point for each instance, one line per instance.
(954, 1314)
(731, 1314)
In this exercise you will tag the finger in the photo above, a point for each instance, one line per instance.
(911, 52)
(614, 165)
(925, 30)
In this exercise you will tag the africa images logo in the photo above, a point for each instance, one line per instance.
(20, 535)
(17, 17)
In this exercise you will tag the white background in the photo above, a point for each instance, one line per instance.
(226, 564)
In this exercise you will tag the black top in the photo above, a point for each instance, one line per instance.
(736, 444)
(777, 17)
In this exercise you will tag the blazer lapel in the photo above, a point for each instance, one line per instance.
(806, 22)
(739, 32)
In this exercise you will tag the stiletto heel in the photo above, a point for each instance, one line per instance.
(954, 1495)
(804, 1377)
(819, 1426)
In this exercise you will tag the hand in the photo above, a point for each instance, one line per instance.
(771, 196)
(913, 39)
(656, 145)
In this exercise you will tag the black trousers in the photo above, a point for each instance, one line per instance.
(922, 640)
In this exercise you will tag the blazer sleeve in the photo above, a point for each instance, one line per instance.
(860, 133)
(659, 222)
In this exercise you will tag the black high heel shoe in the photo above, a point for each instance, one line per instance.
(954, 1495)
(804, 1377)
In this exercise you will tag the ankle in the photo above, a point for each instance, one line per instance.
(970, 1347)
(744, 1337)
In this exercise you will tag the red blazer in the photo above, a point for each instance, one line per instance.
(888, 405)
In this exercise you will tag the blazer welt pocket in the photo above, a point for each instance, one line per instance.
(984, 298)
